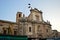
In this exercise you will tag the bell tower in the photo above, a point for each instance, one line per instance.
(18, 16)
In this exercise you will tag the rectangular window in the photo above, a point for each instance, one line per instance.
(4, 32)
(29, 29)
(15, 32)
(47, 30)
(38, 26)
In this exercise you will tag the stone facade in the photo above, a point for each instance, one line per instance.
(7, 27)
(33, 26)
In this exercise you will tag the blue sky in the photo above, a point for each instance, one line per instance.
(50, 8)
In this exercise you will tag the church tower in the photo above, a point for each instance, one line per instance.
(18, 16)
(19, 20)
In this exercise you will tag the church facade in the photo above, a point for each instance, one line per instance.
(32, 26)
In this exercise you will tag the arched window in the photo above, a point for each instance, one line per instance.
(29, 29)
(19, 15)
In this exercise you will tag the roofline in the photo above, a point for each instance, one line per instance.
(7, 21)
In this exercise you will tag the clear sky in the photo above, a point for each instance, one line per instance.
(50, 8)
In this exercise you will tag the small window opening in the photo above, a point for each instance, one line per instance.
(29, 29)
(19, 15)
(47, 30)
(15, 32)
(4, 32)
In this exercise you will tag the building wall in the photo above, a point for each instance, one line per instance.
(58, 34)
(11, 27)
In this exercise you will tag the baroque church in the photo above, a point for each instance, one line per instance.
(32, 26)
